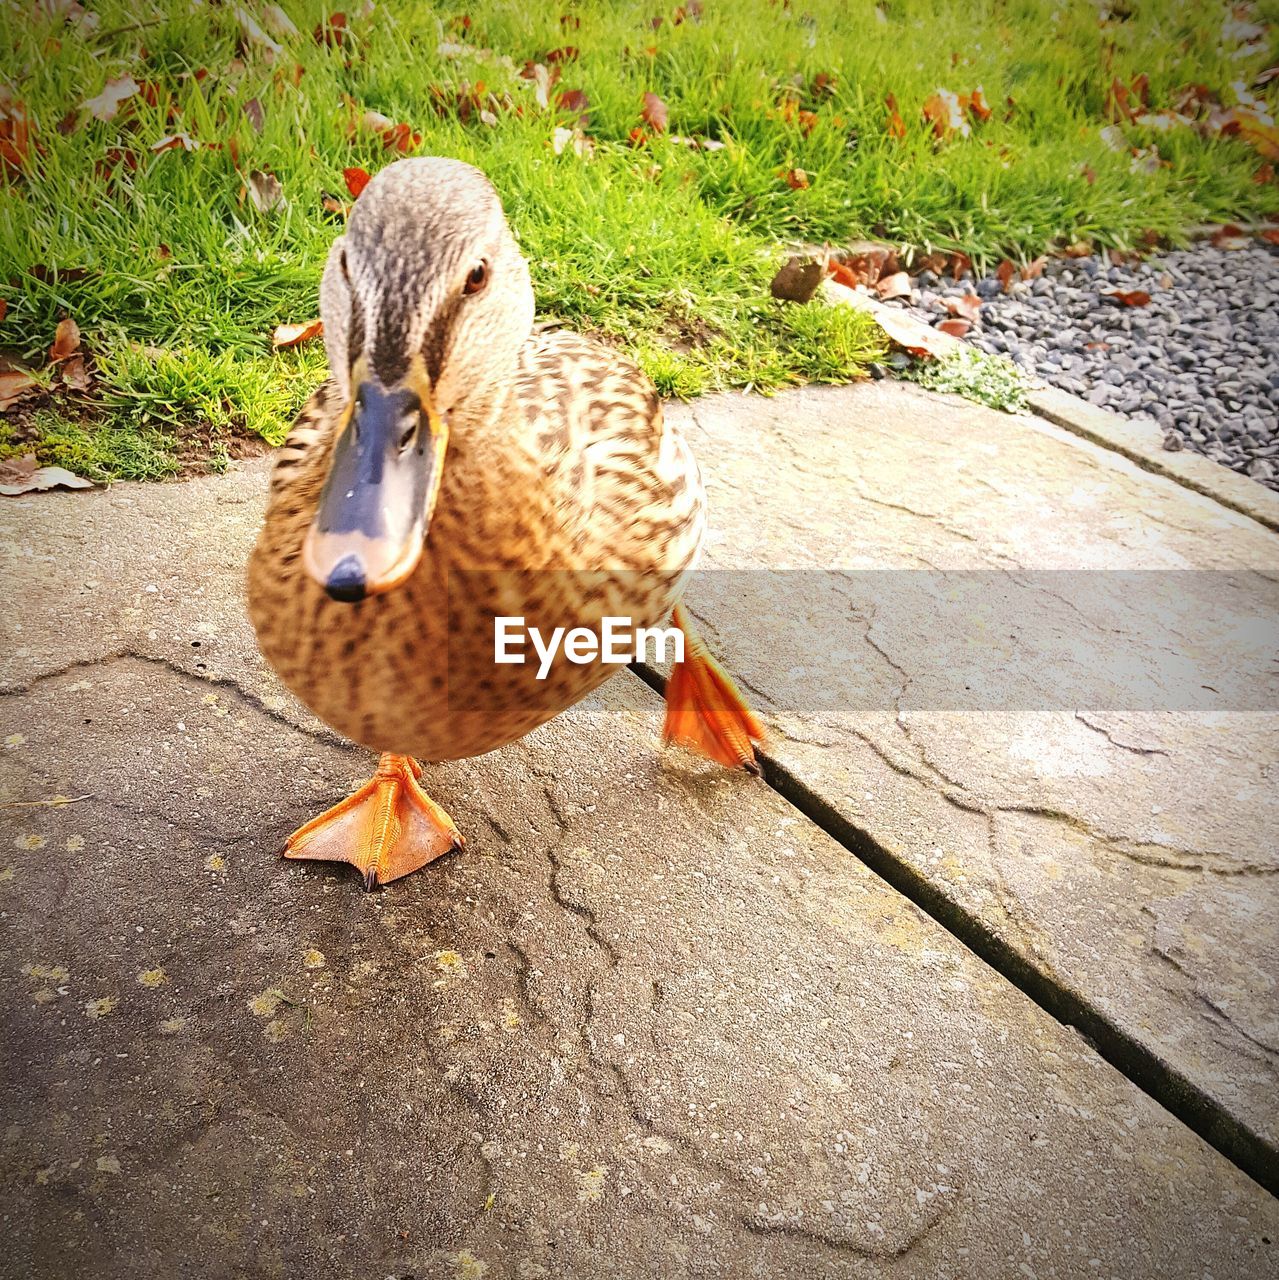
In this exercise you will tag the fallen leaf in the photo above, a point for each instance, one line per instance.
(1005, 272)
(1129, 297)
(66, 341)
(290, 335)
(978, 105)
(896, 125)
(1262, 133)
(253, 34)
(895, 286)
(107, 103)
(15, 471)
(654, 113)
(253, 113)
(75, 374)
(16, 131)
(573, 101)
(798, 279)
(967, 307)
(901, 327)
(796, 179)
(1034, 269)
(1090, 174)
(44, 478)
(956, 328)
(331, 204)
(356, 181)
(333, 32)
(4, 308)
(961, 265)
(1079, 249)
(15, 385)
(1270, 235)
(175, 141)
(945, 113)
(264, 190)
(565, 53)
(843, 275)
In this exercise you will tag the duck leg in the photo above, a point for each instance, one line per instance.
(389, 827)
(704, 711)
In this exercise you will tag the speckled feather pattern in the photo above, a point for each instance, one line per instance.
(565, 498)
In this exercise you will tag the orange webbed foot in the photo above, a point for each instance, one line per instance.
(386, 829)
(704, 710)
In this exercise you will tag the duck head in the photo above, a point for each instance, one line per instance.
(426, 302)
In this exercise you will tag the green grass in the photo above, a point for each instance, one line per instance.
(975, 375)
(663, 249)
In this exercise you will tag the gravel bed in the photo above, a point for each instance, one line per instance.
(1201, 359)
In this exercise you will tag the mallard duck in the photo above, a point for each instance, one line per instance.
(462, 465)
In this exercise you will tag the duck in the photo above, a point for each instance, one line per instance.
(460, 468)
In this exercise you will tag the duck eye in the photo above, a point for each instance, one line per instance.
(477, 278)
(408, 433)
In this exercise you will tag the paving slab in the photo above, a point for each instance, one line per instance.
(653, 1022)
(1074, 753)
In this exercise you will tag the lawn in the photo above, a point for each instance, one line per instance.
(177, 278)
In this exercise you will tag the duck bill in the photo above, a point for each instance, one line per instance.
(375, 509)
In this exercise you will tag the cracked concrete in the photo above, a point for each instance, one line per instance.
(1083, 762)
(652, 1022)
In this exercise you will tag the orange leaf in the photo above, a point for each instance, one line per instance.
(356, 181)
(796, 179)
(978, 105)
(842, 275)
(1130, 298)
(66, 341)
(1262, 134)
(896, 125)
(1005, 273)
(654, 113)
(14, 385)
(960, 265)
(807, 121)
(1270, 235)
(1033, 270)
(956, 328)
(290, 335)
(967, 307)
(943, 111)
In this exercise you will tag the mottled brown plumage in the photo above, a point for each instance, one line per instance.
(564, 496)
(559, 469)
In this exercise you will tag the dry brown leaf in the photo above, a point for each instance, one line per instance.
(253, 113)
(107, 103)
(1005, 272)
(66, 341)
(264, 190)
(15, 385)
(895, 286)
(956, 327)
(1079, 249)
(961, 265)
(290, 335)
(967, 307)
(75, 374)
(15, 481)
(796, 179)
(1034, 269)
(654, 113)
